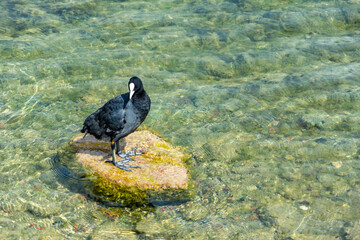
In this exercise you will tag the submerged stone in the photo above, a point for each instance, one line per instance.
(196, 212)
(162, 165)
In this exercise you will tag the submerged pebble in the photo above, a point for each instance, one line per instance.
(149, 225)
(39, 210)
(337, 164)
(293, 22)
(195, 212)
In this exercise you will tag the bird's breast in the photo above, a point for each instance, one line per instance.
(131, 115)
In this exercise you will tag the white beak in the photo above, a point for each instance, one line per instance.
(131, 87)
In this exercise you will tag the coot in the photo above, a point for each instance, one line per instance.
(118, 118)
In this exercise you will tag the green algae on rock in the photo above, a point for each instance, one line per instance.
(162, 166)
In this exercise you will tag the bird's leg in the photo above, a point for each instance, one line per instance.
(121, 154)
(115, 149)
(118, 147)
(113, 154)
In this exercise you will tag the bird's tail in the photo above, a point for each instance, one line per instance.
(85, 134)
(84, 130)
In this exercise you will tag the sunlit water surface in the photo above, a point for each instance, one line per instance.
(265, 96)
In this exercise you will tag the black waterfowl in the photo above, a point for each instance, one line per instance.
(118, 118)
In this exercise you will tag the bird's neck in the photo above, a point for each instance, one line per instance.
(139, 94)
(140, 99)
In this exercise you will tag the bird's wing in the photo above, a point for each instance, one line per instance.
(112, 115)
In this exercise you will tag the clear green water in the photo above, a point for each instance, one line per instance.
(264, 94)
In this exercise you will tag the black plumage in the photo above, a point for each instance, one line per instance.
(118, 118)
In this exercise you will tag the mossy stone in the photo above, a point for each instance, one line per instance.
(162, 168)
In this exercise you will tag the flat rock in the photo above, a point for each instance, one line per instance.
(161, 166)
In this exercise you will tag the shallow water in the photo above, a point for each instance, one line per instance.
(263, 94)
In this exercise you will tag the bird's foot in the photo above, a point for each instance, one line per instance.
(128, 154)
(122, 165)
(125, 156)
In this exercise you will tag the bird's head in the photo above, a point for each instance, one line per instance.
(135, 85)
